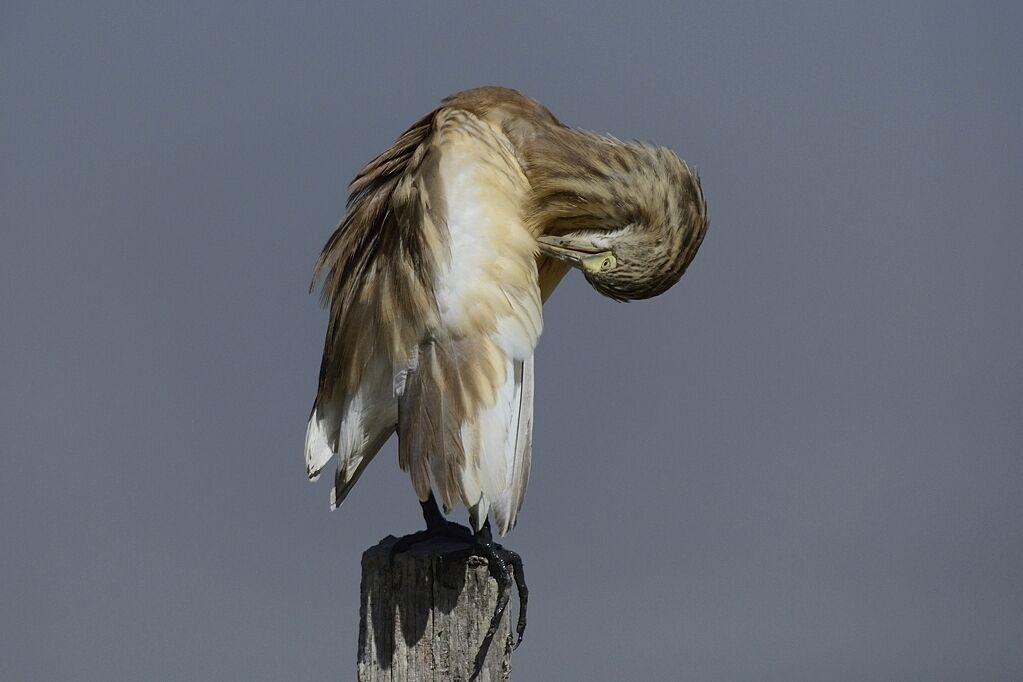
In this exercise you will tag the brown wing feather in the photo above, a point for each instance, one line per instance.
(383, 211)
(373, 274)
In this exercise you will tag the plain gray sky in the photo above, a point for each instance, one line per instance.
(802, 463)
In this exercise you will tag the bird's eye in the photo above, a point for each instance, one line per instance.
(599, 262)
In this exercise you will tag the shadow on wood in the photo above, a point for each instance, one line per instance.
(423, 615)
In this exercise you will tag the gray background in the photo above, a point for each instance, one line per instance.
(804, 462)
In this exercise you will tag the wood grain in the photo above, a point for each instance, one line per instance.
(424, 614)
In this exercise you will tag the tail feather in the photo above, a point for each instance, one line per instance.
(318, 436)
(354, 427)
(516, 454)
(348, 472)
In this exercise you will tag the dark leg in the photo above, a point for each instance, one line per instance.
(431, 512)
(505, 565)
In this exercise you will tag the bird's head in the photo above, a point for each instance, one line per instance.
(631, 219)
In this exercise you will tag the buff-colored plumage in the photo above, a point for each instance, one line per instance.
(436, 274)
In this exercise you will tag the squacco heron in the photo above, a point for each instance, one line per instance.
(435, 278)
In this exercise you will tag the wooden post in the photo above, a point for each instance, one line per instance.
(423, 616)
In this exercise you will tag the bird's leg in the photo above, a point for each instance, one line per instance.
(436, 526)
(435, 520)
(505, 566)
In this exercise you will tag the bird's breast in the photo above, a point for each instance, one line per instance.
(489, 251)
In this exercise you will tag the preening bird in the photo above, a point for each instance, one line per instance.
(436, 275)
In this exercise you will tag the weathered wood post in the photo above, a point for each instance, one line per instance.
(424, 614)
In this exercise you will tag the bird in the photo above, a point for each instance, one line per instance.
(435, 278)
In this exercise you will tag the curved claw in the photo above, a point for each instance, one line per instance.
(505, 566)
(498, 566)
(520, 584)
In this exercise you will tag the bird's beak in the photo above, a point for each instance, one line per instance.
(572, 249)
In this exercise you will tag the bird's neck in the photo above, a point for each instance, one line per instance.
(581, 180)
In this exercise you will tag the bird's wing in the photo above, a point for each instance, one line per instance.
(366, 273)
(443, 286)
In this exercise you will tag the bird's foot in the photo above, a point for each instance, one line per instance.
(505, 566)
(443, 530)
